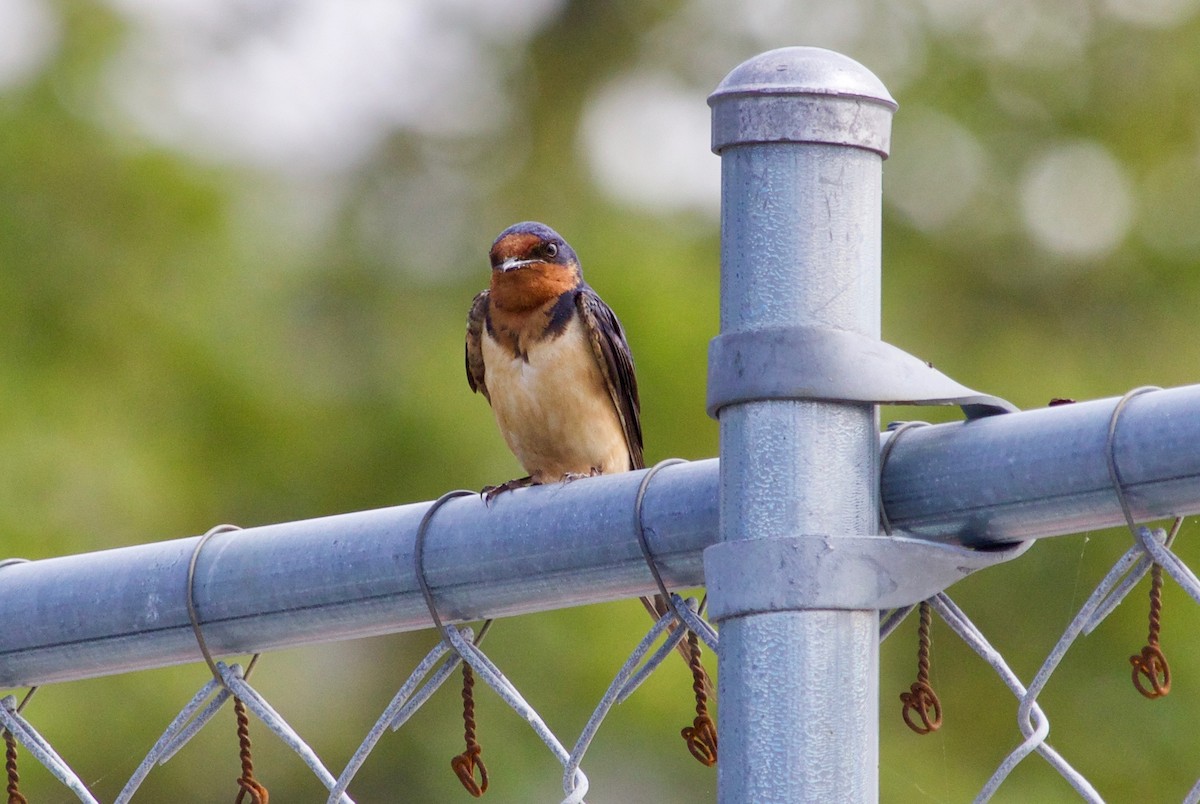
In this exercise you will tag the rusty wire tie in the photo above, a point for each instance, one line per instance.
(10, 750)
(247, 784)
(10, 767)
(1150, 672)
(701, 736)
(1151, 665)
(920, 700)
(469, 764)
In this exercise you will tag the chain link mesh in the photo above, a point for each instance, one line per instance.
(1151, 547)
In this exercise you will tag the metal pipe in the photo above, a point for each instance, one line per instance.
(351, 575)
(802, 133)
(1004, 478)
(1044, 472)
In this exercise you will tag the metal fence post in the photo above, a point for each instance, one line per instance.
(801, 133)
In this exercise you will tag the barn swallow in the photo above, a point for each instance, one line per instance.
(552, 360)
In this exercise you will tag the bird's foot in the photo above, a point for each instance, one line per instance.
(570, 477)
(489, 493)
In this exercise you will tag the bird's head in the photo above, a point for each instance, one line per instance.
(531, 244)
(532, 264)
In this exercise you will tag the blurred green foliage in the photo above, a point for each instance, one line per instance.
(184, 341)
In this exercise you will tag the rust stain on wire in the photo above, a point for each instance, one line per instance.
(248, 784)
(701, 736)
(1151, 673)
(921, 701)
(10, 765)
(466, 763)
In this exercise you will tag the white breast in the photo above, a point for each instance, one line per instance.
(554, 409)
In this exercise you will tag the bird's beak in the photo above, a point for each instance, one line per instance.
(512, 264)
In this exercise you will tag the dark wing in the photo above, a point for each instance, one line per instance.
(612, 353)
(475, 324)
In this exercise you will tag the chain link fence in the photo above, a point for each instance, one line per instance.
(783, 531)
(1149, 554)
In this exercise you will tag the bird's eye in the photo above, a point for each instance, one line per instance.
(551, 250)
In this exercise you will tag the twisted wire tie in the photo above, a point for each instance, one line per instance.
(1151, 672)
(466, 763)
(10, 765)
(248, 784)
(921, 700)
(701, 736)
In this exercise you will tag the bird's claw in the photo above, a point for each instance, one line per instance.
(489, 493)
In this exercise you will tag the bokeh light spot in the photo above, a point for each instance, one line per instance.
(934, 170)
(1076, 200)
(1151, 13)
(29, 36)
(646, 138)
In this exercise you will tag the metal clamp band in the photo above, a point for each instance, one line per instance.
(836, 572)
(832, 365)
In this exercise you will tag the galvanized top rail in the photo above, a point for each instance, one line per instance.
(999, 479)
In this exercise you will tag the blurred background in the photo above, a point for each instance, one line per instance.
(238, 240)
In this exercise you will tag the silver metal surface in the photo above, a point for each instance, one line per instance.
(836, 572)
(807, 95)
(1044, 472)
(801, 133)
(830, 364)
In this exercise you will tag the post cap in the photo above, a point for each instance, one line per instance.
(802, 94)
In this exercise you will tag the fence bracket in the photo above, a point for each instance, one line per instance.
(799, 362)
(794, 573)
